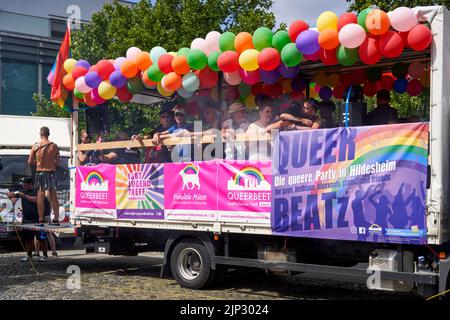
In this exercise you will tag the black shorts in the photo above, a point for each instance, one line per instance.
(28, 234)
(46, 180)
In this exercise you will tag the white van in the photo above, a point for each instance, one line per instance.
(17, 135)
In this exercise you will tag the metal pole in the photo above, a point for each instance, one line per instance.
(220, 97)
(73, 151)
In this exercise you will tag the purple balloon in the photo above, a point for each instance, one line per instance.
(308, 42)
(92, 79)
(82, 63)
(269, 77)
(288, 72)
(325, 93)
(117, 79)
(299, 84)
(118, 62)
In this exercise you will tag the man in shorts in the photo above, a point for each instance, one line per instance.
(45, 155)
(30, 215)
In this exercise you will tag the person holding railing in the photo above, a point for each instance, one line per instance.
(298, 117)
(121, 155)
(259, 146)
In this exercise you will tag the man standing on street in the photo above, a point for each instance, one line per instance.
(45, 155)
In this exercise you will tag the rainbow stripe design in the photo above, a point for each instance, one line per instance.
(190, 168)
(154, 197)
(246, 173)
(94, 177)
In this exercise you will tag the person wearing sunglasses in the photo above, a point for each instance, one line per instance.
(180, 128)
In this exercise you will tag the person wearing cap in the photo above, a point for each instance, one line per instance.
(327, 109)
(383, 113)
(238, 123)
(29, 199)
(298, 117)
(180, 128)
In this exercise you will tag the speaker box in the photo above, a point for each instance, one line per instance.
(356, 114)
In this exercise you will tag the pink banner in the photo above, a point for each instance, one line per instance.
(96, 190)
(244, 193)
(190, 190)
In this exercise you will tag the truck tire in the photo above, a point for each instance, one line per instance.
(190, 264)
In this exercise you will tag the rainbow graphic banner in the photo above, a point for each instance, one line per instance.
(140, 191)
(361, 183)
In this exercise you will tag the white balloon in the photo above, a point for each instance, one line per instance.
(185, 94)
(81, 85)
(232, 78)
(201, 44)
(352, 35)
(403, 19)
(133, 52)
(212, 39)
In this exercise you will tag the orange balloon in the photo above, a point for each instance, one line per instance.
(243, 41)
(377, 22)
(88, 100)
(147, 82)
(143, 61)
(68, 82)
(329, 39)
(129, 68)
(171, 81)
(180, 65)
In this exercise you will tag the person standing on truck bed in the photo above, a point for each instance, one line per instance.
(298, 117)
(237, 124)
(383, 113)
(122, 155)
(30, 215)
(45, 155)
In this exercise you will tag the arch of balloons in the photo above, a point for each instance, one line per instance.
(265, 62)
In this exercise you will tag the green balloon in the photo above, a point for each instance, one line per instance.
(183, 51)
(262, 38)
(135, 85)
(280, 39)
(226, 41)
(374, 74)
(154, 73)
(347, 57)
(212, 60)
(244, 89)
(78, 94)
(290, 55)
(362, 18)
(197, 59)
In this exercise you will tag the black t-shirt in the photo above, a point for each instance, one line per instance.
(125, 156)
(163, 155)
(382, 114)
(30, 210)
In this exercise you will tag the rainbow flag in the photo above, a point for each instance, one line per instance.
(57, 72)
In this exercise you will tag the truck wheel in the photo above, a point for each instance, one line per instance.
(190, 264)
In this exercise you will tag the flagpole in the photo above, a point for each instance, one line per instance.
(73, 152)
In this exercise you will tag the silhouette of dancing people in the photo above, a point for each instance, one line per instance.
(359, 217)
(399, 218)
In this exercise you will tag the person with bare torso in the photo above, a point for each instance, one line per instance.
(45, 155)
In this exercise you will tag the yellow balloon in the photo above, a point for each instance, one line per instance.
(106, 90)
(327, 20)
(321, 79)
(69, 64)
(164, 92)
(333, 80)
(250, 101)
(248, 60)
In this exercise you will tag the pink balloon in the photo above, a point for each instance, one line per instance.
(212, 41)
(118, 62)
(81, 85)
(249, 77)
(414, 88)
(232, 78)
(201, 44)
(403, 19)
(352, 35)
(133, 52)
(96, 97)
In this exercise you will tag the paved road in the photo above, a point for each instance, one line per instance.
(109, 277)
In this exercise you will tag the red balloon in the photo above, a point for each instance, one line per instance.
(257, 89)
(346, 18)
(88, 100)
(329, 57)
(359, 76)
(386, 82)
(232, 93)
(275, 90)
(78, 72)
(165, 63)
(414, 88)
(404, 36)
(370, 89)
(269, 59)
(315, 56)
(391, 44)
(104, 69)
(228, 61)
(419, 37)
(208, 78)
(123, 94)
(338, 91)
(369, 52)
(296, 28)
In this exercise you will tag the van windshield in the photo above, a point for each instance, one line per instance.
(14, 167)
